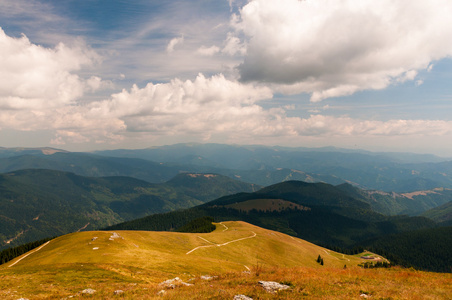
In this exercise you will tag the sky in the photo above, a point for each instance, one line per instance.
(86, 75)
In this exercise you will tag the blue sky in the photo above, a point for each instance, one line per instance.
(92, 74)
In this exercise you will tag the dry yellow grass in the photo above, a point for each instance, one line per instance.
(138, 261)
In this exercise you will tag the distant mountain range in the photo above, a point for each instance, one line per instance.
(398, 172)
(329, 196)
(390, 172)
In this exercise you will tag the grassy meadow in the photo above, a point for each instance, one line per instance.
(236, 254)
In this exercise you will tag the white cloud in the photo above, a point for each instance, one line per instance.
(335, 48)
(233, 46)
(208, 51)
(177, 107)
(40, 88)
(172, 44)
(320, 125)
(34, 77)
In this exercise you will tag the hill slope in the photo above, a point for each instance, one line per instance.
(441, 214)
(317, 212)
(136, 265)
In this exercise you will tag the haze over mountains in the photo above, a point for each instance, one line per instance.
(398, 172)
(48, 192)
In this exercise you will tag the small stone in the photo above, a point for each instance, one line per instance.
(242, 297)
(88, 291)
(161, 292)
(365, 296)
(118, 292)
(207, 277)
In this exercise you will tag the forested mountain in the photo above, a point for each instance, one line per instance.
(441, 214)
(391, 203)
(399, 172)
(390, 172)
(317, 212)
(427, 249)
(36, 203)
(86, 164)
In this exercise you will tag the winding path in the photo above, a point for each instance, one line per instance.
(343, 256)
(31, 252)
(224, 244)
(226, 227)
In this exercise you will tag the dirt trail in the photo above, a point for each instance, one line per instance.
(224, 244)
(343, 256)
(31, 252)
(226, 227)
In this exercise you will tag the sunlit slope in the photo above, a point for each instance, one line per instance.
(233, 246)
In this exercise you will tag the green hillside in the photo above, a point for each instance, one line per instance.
(36, 204)
(441, 214)
(427, 249)
(330, 216)
(85, 164)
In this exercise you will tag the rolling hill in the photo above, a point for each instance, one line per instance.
(229, 261)
(36, 204)
(329, 215)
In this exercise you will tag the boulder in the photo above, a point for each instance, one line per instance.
(273, 287)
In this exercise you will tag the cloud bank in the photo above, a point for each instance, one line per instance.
(332, 48)
(324, 48)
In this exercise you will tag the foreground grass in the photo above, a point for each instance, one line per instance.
(137, 262)
(60, 282)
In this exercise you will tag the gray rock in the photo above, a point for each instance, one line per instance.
(173, 283)
(242, 297)
(207, 277)
(273, 287)
(118, 292)
(88, 291)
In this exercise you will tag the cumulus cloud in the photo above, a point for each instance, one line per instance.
(335, 48)
(34, 77)
(40, 88)
(209, 107)
(178, 107)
